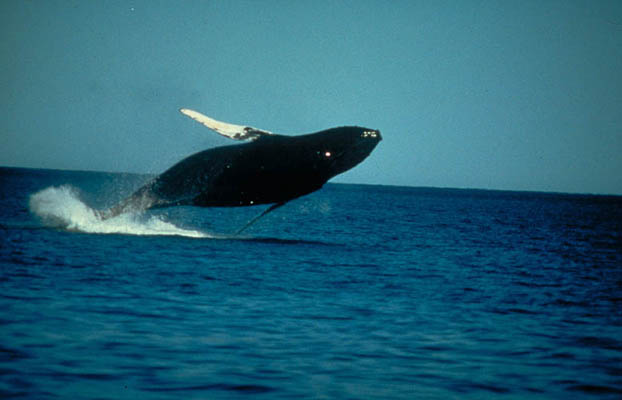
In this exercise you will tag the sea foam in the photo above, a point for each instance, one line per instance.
(61, 207)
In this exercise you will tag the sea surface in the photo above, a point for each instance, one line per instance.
(352, 292)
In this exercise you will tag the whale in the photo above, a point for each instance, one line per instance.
(267, 168)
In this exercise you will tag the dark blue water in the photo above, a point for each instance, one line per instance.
(353, 292)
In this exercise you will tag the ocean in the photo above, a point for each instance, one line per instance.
(352, 292)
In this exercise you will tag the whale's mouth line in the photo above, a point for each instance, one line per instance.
(356, 153)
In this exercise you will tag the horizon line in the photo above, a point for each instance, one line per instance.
(357, 183)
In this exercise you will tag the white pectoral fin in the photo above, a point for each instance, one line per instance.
(232, 131)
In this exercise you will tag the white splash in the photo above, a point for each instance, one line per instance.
(61, 207)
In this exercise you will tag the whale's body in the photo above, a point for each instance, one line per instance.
(271, 169)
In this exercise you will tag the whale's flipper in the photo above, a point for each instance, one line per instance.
(252, 221)
(236, 132)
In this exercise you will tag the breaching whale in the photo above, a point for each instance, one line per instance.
(268, 169)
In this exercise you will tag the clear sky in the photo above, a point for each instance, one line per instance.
(523, 95)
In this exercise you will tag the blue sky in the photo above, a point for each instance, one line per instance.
(523, 95)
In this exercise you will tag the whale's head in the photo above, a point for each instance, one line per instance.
(337, 150)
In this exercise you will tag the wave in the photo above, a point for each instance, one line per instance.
(281, 241)
(61, 207)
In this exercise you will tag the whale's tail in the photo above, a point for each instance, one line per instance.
(110, 212)
(62, 207)
(141, 200)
